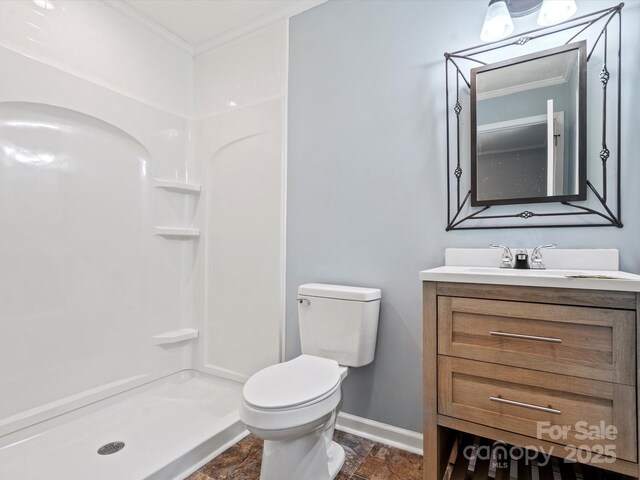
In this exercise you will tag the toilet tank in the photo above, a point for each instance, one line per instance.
(339, 322)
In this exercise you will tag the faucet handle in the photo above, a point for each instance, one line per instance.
(507, 256)
(536, 256)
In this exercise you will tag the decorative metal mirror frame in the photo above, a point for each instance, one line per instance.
(458, 207)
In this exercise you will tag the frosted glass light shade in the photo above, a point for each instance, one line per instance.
(45, 4)
(497, 23)
(556, 11)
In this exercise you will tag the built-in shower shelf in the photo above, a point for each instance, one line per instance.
(175, 336)
(176, 186)
(177, 232)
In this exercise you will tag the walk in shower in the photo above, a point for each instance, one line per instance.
(97, 343)
(127, 231)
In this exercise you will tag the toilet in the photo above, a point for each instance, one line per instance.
(293, 405)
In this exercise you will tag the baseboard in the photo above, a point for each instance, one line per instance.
(380, 432)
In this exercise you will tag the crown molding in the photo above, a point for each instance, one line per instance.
(522, 87)
(258, 24)
(151, 25)
(218, 40)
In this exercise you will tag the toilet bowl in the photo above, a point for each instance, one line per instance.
(293, 405)
(290, 405)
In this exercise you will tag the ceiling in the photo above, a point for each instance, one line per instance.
(537, 73)
(199, 21)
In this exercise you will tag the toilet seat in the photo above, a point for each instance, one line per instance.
(300, 392)
(300, 382)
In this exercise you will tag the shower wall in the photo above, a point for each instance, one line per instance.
(92, 108)
(94, 41)
(240, 96)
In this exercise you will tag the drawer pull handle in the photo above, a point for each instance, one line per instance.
(526, 337)
(525, 405)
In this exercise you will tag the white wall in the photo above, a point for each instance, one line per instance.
(239, 136)
(367, 171)
(85, 282)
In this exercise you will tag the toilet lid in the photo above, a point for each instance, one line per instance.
(296, 382)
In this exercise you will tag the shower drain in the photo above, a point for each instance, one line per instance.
(110, 448)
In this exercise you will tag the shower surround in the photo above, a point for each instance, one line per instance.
(123, 318)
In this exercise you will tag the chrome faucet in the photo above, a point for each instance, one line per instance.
(507, 256)
(536, 257)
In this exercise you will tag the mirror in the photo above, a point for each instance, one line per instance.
(528, 128)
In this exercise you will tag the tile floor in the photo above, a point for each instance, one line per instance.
(366, 460)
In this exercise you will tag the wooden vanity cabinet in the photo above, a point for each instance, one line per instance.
(499, 359)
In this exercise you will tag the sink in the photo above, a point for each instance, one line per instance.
(591, 269)
(587, 274)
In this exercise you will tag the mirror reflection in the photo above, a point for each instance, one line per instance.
(528, 123)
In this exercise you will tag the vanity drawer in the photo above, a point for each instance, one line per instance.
(595, 343)
(515, 400)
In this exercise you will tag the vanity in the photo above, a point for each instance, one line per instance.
(538, 359)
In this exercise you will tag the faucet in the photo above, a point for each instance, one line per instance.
(507, 256)
(536, 257)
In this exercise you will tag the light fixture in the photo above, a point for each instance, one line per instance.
(44, 4)
(498, 23)
(556, 11)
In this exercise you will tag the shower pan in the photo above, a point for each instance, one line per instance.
(158, 431)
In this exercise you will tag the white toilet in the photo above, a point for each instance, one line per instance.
(293, 405)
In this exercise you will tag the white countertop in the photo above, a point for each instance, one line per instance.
(571, 270)
(619, 281)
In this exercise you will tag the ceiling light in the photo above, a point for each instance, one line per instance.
(45, 4)
(556, 11)
(497, 23)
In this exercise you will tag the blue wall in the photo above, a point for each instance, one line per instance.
(366, 177)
